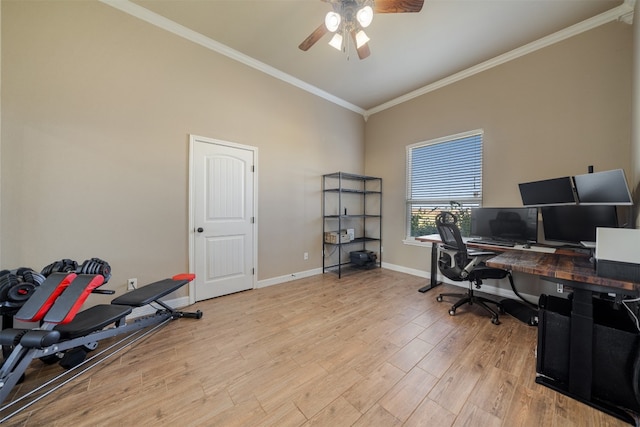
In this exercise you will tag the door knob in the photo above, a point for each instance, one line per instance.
(200, 230)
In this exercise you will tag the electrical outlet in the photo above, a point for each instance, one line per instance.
(306, 256)
(132, 284)
(559, 288)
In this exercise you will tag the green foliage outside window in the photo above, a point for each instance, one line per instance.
(423, 220)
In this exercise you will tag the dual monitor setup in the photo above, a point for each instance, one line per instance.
(571, 209)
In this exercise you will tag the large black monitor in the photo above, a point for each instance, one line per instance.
(556, 191)
(575, 224)
(508, 224)
(603, 188)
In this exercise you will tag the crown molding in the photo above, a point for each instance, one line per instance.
(627, 18)
(195, 37)
(615, 14)
(623, 12)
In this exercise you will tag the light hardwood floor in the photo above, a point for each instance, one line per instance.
(364, 350)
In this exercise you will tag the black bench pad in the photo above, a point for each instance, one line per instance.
(38, 338)
(92, 319)
(35, 308)
(66, 306)
(151, 292)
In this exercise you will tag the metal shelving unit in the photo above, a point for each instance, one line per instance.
(351, 202)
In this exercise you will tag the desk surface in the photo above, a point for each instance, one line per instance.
(548, 262)
(574, 268)
(435, 238)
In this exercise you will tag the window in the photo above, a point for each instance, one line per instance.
(443, 174)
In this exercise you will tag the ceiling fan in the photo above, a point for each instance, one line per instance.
(350, 17)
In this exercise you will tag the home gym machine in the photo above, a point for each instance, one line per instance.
(52, 299)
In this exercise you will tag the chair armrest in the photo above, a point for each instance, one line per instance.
(477, 257)
(469, 267)
(451, 252)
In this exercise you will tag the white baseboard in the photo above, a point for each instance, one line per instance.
(181, 302)
(288, 278)
(487, 287)
(402, 269)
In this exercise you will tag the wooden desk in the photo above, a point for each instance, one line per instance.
(574, 269)
(577, 272)
(434, 239)
(559, 265)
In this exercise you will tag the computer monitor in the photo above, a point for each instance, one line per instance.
(603, 188)
(556, 191)
(575, 224)
(509, 224)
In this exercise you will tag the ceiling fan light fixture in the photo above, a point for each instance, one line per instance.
(348, 18)
(336, 41)
(365, 16)
(361, 39)
(332, 21)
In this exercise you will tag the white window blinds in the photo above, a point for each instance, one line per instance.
(443, 174)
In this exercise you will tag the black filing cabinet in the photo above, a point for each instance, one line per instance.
(611, 379)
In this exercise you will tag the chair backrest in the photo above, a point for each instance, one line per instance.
(446, 223)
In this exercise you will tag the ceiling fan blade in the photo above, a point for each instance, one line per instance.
(363, 51)
(397, 6)
(313, 37)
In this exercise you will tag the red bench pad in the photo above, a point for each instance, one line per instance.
(43, 298)
(69, 303)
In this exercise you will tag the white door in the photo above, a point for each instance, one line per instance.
(223, 223)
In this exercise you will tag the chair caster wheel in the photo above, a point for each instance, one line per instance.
(495, 321)
(439, 298)
(452, 312)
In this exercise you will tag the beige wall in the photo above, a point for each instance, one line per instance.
(97, 108)
(547, 114)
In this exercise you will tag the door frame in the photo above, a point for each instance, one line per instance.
(191, 231)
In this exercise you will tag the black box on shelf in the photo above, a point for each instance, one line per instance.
(363, 258)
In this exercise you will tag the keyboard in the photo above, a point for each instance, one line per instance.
(493, 242)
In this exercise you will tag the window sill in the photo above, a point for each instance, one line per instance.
(413, 242)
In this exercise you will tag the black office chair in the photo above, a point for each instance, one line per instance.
(458, 263)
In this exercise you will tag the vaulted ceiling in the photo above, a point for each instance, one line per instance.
(410, 52)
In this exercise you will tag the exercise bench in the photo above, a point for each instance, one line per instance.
(66, 334)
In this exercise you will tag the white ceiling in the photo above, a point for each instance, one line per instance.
(410, 52)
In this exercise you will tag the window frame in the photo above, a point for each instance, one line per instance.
(465, 203)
